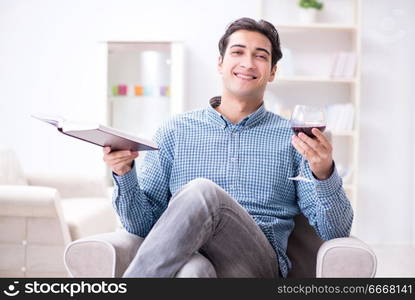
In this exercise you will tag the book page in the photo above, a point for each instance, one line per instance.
(78, 126)
(56, 121)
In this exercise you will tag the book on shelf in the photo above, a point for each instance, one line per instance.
(98, 134)
(344, 65)
(340, 117)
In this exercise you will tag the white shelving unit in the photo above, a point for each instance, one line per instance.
(144, 85)
(313, 48)
(152, 75)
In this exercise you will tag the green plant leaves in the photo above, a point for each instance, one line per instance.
(311, 4)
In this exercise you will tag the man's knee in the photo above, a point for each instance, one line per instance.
(198, 266)
(199, 188)
(200, 194)
(202, 184)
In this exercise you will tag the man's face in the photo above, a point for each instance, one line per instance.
(246, 65)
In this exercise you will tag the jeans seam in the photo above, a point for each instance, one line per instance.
(205, 225)
(221, 208)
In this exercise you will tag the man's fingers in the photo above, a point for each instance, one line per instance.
(305, 138)
(297, 147)
(313, 143)
(119, 154)
(304, 149)
(107, 150)
(120, 160)
(322, 138)
(120, 165)
(114, 161)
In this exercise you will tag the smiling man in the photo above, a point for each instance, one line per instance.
(215, 200)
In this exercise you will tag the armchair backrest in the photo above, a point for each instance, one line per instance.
(303, 245)
(10, 169)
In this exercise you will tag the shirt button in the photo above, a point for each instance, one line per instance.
(231, 186)
(234, 133)
(234, 159)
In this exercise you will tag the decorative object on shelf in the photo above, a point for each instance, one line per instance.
(308, 10)
(149, 90)
(122, 89)
(138, 90)
(114, 90)
(165, 91)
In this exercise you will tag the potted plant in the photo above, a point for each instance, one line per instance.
(308, 11)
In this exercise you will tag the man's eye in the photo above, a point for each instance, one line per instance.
(237, 52)
(262, 56)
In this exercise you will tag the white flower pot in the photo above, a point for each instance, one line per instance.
(308, 15)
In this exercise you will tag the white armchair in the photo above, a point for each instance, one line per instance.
(109, 254)
(40, 214)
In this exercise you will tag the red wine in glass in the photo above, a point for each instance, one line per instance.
(303, 119)
(307, 129)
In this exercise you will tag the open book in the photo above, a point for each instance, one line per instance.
(98, 134)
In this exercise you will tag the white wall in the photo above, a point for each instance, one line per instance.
(51, 61)
(386, 200)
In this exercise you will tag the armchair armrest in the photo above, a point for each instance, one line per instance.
(71, 186)
(101, 255)
(37, 205)
(345, 257)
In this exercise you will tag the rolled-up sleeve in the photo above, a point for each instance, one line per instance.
(140, 200)
(325, 204)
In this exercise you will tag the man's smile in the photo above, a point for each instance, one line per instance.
(245, 76)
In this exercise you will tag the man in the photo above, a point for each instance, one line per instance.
(216, 200)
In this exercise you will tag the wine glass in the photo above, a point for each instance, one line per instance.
(303, 119)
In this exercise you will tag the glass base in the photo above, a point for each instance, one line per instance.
(300, 178)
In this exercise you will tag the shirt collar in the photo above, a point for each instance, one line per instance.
(223, 122)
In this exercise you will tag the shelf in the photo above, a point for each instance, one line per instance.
(317, 26)
(137, 98)
(313, 79)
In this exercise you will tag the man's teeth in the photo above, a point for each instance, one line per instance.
(245, 76)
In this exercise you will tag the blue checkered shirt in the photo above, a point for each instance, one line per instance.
(251, 160)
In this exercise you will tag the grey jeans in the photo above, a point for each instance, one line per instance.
(204, 233)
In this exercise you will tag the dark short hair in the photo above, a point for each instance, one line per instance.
(261, 26)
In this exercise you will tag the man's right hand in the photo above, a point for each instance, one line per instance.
(119, 161)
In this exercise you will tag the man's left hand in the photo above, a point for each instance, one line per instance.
(318, 152)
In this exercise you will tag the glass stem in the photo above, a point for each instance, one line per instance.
(302, 167)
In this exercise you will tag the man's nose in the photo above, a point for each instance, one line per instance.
(247, 62)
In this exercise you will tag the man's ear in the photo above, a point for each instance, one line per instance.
(273, 73)
(220, 61)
